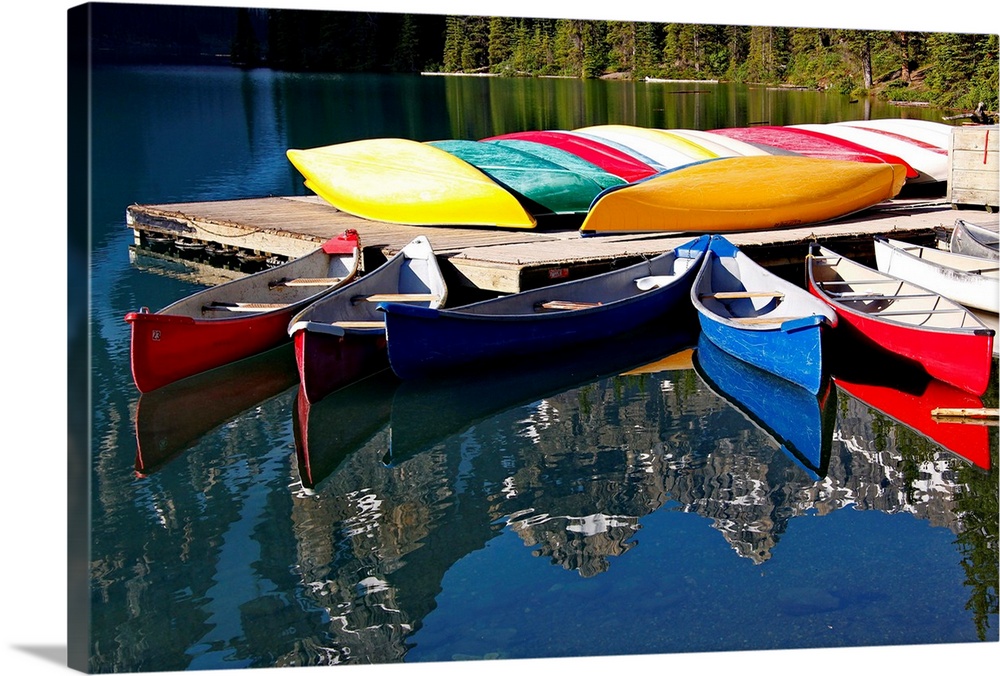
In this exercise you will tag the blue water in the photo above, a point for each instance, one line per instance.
(548, 514)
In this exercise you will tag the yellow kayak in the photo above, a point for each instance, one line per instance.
(734, 194)
(402, 181)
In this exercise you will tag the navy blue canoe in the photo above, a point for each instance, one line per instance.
(426, 342)
(758, 317)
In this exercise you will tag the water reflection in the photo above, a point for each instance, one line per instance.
(174, 418)
(800, 422)
(908, 396)
(329, 430)
(571, 459)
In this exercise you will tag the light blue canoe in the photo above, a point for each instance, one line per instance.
(758, 317)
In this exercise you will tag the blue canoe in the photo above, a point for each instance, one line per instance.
(758, 317)
(800, 422)
(425, 342)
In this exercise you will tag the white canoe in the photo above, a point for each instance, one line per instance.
(723, 146)
(931, 164)
(972, 239)
(936, 134)
(666, 150)
(969, 280)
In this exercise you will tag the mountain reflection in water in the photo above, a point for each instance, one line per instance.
(571, 458)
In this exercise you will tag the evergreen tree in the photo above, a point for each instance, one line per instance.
(738, 51)
(673, 50)
(964, 70)
(569, 47)
(405, 57)
(621, 41)
(245, 51)
(284, 53)
(647, 50)
(475, 43)
(767, 54)
(453, 44)
(594, 48)
(501, 42)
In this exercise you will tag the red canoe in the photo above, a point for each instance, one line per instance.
(945, 339)
(812, 144)
(611, 160)
(237, 319)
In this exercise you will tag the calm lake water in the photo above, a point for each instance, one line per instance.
(652, 498)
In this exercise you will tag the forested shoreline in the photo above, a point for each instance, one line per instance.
(957, 70)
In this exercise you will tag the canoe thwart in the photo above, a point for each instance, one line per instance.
(727, 295)
(766, 320)
(917, 313)
(564, 305)
(306, 281)
(863, 295)
(394, 298)
(359, 324)
(859, 282)
(218, 306)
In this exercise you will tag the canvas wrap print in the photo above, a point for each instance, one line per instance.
(441, 339)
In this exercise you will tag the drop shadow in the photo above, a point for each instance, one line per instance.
(56, 654)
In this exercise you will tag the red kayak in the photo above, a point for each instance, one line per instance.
(237, 319)
(812, 144)
(944, 338)
(611, 160)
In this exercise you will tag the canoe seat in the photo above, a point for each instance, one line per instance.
(394, 298)
(306, 281)
(766, 320)
(729, 295)
(359, 324)
(218, 306)
(563, 305)
(653, 282)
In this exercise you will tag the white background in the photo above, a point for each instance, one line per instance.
(33, 507)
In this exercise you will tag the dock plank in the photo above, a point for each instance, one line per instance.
(508, 260)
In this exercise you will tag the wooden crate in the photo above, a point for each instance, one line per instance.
(973, 177)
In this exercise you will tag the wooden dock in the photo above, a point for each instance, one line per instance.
(506, 260)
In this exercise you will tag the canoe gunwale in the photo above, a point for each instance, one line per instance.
(961, 356)
(958, 277)
(427, 342)
(175, 343)
(317, 316)
(875, 316)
